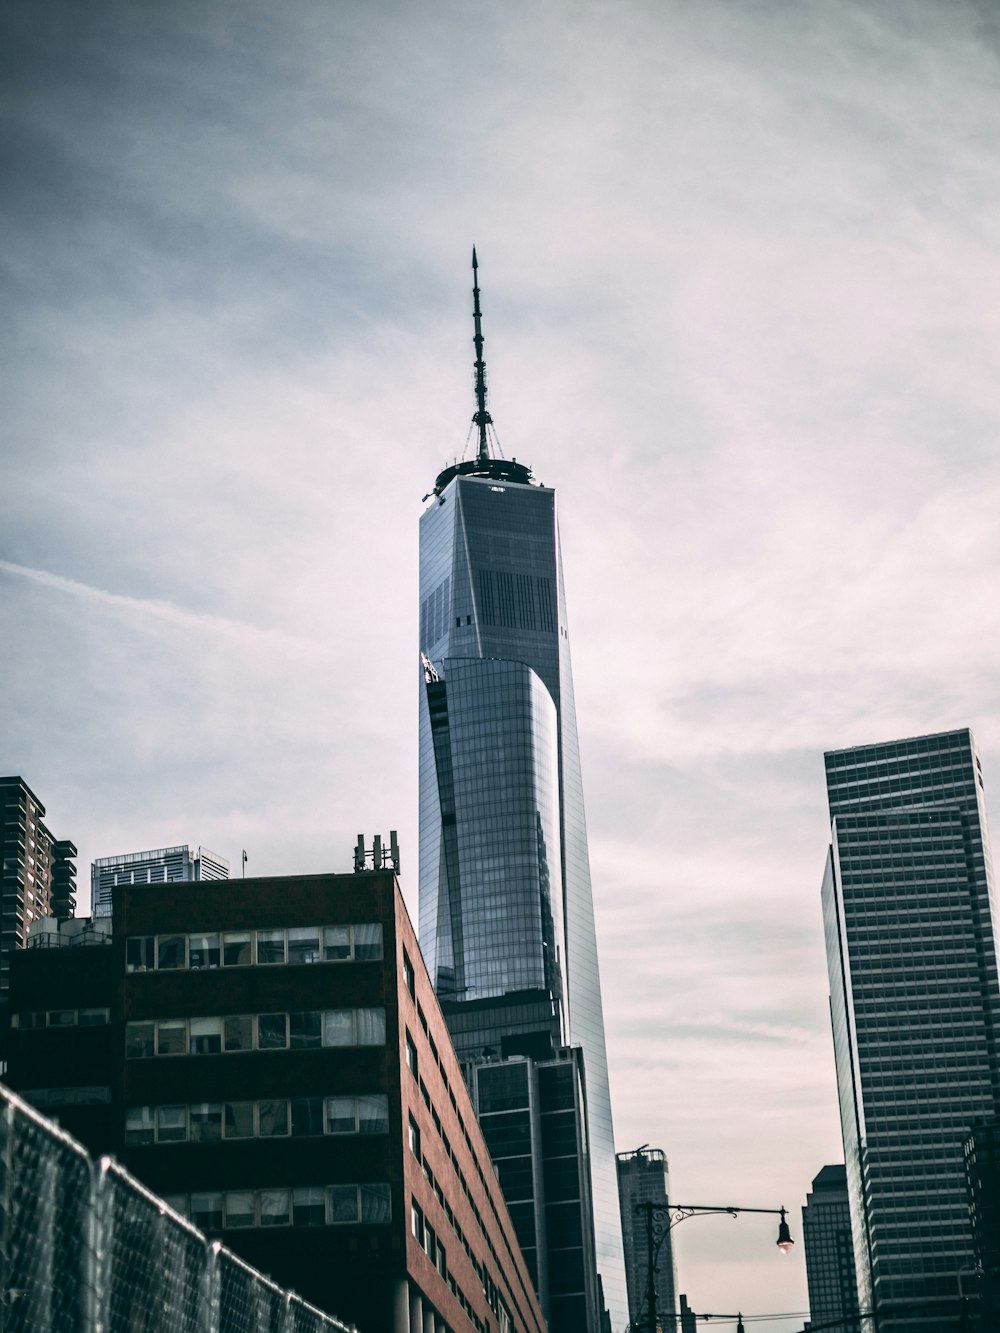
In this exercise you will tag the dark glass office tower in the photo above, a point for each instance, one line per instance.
(506, 908)
(915, 1008)
(642, 1178)
(829, 1251)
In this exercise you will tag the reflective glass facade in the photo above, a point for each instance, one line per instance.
(915, 1008)
(829, 1250)
(505, 896)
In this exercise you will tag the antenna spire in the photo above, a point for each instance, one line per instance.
(481, 418)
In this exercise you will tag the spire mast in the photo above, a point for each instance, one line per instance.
(482, 418)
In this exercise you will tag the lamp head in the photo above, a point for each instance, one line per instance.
(785, 1241)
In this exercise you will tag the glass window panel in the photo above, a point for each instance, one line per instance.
(206, 1036)
(303, 944)
(206, 1122)
(275, 1208)
(204, 951)
(62, 1018)
(368, 941)
(139, 1040)
(140, 954)
(239, 1205)
(309, 1206)
(340, 1115)
(336, 943)
(376, 1203)
(270, 946)
(237, 1120)
(307, 1116)
(171, 1124)
(237, 1033)
(171, 951)
(343, 1203)
(206, 1211)
(139, 1125)
(272, 1118)
(180, 1203)
(92, 1018)
(305, 1030)
(236, 948)
(272, 1032)
(371, 1027)
(338, 1027)
(373, 1114)
(171, 1037)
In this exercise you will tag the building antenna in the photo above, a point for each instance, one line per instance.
(482, 418)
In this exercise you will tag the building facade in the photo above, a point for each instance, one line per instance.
(829, 1250)
(915, 1009)
(982, 1172)
(506, 905)
(163, 865)
(275, 1064)
(642, 1178)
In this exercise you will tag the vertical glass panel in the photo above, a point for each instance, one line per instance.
(139, 1125)
(309, 1206)
(140, 954)
(376, 1203)
(303, 944)
(272, 1119)
(371, 1027)
(62, 1018)
(272, 1032)
(307, 1116)
(343, 1203)
(171, 952)
(204, 951)
(236, 948)
(237, 1120)
(206, 1036)
(171, 1037)
(92, 1018)
(237, 1032)
(171, 1124)
(338, 1027)
(336, 943)
(206, 1122)
(239, 1205)
(305, 1030)
(206, 1211)
(139, 1040)
(368, 941)
(340, 1115)
(270, 946)
(373, 1114)
(275, 1208)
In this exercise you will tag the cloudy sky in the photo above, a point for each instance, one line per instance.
(740, 282)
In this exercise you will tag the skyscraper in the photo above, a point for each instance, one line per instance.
(506, 906)
(915, 1009)
(642, 1178)
(163, 865)
(829, 1250)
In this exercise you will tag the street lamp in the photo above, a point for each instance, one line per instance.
(668, 1215)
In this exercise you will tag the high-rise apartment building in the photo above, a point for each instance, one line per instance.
(506, 906)
(829, 1250)
(163, 865)
(642, 1178)
(915, 1009)
(37, 874)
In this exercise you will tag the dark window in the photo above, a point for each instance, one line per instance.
(306, 1030)
(307, 1115)
(272, 1032)
(409, 980)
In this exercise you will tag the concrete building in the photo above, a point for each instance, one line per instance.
(915, 1006)
(274, 1062)
(162, 865)
(829, 1250)
(642, 1178)
(506, 906)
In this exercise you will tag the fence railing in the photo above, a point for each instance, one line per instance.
(86, 1248)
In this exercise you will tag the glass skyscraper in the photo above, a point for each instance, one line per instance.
(506, 907)
(829, 1251)
(915, 1007)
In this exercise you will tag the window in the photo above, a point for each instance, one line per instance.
(307, 1116)
(309, 1206)
(411, 1055)
(171, 952)
(62, 1018)
(409, 979)
(343, 1203)
(139, 1125)
(205, 951)
(206, 1211)
(272, 1119)
(371, 1027)
(236, 948)
(272, 1032)
(338, 1027)
(417, 1222)
(305, 1030)
(340, 1115)
(373, 1114)
(270, 946)
(239, 1207)
(171, 1124)
(30, 1019)
(140, 954)
(275, 1208)
(237, 1033)
(206, 1036)
(237, 1120)
(413, 1138)
(368, 942)
(139, 1040)
(303, 945)
(92, 1018)
(336, 943)
(171, 1037)
(206, 1122)
(376, 1203)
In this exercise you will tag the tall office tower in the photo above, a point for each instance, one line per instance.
(164, 865)
(982, 1169)
(826, 1237)
(915, 1009)
(38, 874)
(506, 907)
(642, 1178)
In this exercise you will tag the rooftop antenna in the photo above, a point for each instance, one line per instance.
(482, 418)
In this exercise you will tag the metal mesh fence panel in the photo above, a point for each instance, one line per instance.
(86, 1248)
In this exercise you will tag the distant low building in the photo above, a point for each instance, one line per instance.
(163, 865)
(829, 1249)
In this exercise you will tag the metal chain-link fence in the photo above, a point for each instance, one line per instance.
(85, 1248)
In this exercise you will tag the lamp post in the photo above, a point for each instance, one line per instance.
(670, 1214)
